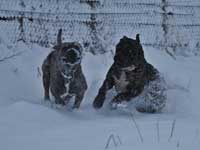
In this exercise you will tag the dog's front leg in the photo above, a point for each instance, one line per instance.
(78, 100)
(67, 98)
(100, 98)
(107, 85)
(46, 79)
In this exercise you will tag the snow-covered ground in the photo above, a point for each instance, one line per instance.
(27, 123)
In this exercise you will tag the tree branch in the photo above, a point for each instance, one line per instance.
(10, 56)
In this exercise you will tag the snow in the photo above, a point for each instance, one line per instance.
(27, 122)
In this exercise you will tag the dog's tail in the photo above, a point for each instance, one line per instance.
(59, 40)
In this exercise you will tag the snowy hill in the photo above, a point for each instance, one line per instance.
(26, 122)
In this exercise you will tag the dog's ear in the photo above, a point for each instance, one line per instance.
(59, 37)
(138, 38)
(125, 37)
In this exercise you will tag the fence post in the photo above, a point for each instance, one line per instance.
(21, 28)
(95, 45)
(164, 23)
(165, 27)
(21, 21)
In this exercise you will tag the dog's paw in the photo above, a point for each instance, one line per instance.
(75, 107)
(46, 98)
(114, 105)
(98, 103)
(60, 102)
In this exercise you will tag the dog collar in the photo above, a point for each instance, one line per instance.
(129, 68)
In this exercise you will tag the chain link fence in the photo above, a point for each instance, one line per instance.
(172, 25)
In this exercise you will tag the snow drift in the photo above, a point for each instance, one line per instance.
(26, 122)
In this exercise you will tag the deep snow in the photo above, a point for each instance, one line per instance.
(26, 122)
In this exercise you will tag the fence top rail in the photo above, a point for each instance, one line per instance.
(18, 12)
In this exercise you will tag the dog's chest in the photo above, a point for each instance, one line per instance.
(67, 85)
(121, 82)
(66, 90)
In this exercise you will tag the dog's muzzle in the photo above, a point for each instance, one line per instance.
(72, 57)
(69, 62)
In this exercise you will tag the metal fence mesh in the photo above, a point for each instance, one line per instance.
(167, 24)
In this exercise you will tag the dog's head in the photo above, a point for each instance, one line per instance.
(69, 56)
(129, 52)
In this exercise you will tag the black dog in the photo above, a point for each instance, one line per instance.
(132, 76)
(62, 73)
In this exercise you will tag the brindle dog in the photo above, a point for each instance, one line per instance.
(133, 76)
(62, 73)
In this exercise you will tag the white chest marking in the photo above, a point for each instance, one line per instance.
(121, 83)
(66, 92)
